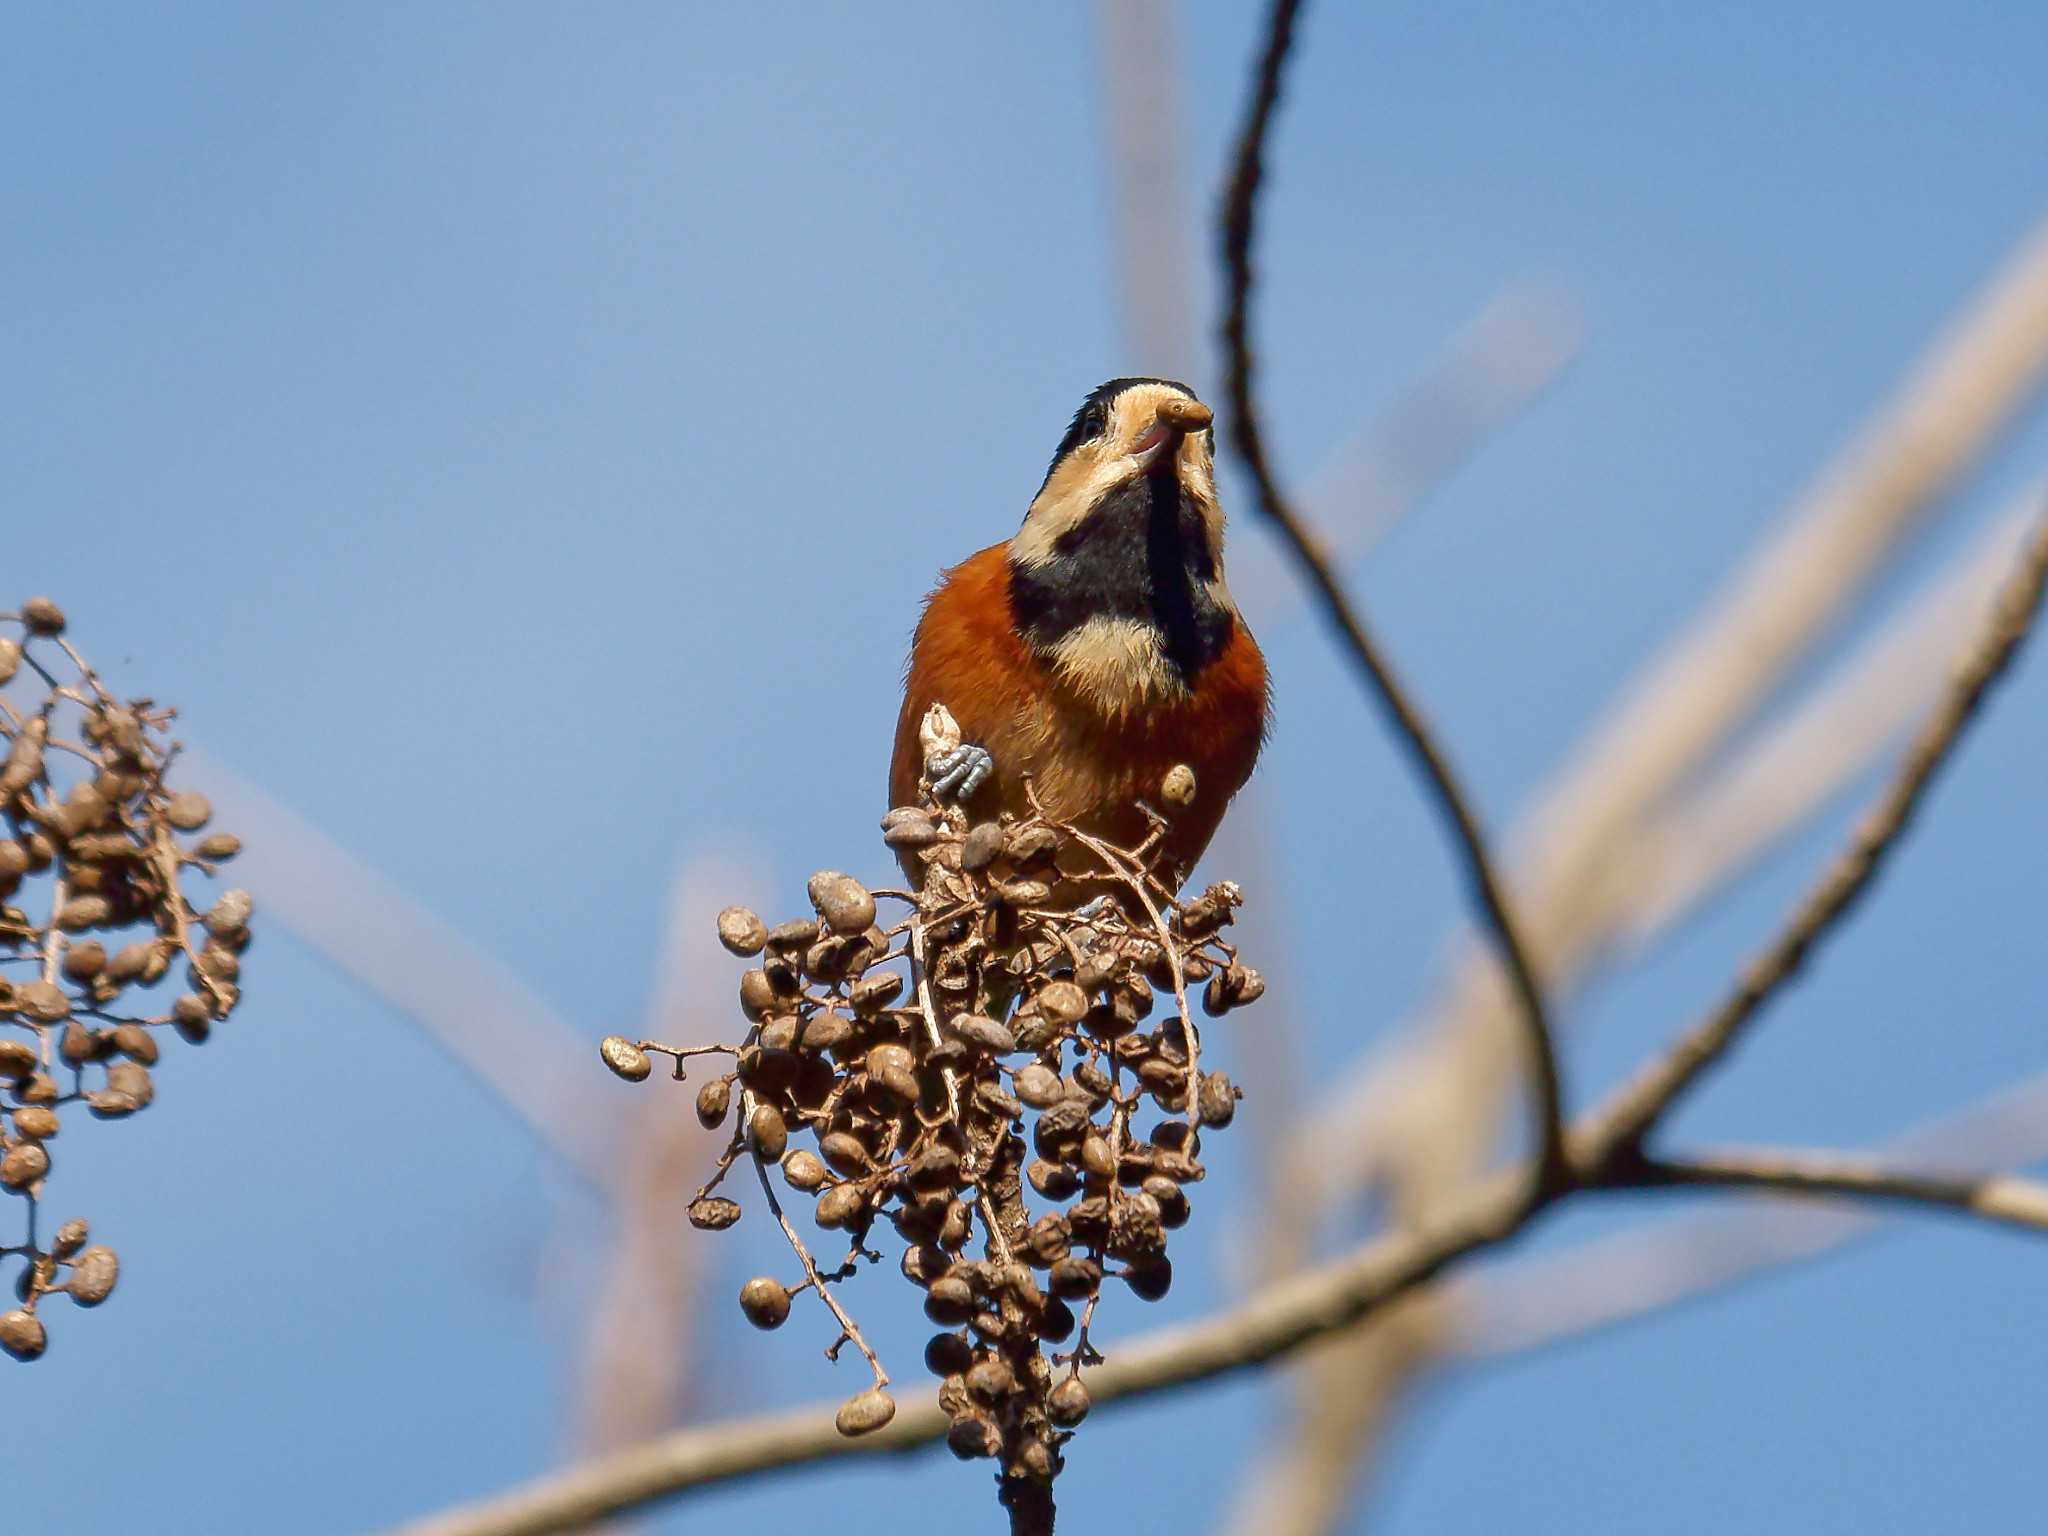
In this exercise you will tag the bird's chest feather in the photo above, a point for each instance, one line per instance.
(1102, 749)
(1128, 609)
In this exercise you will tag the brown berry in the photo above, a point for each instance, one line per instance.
(84, 961)
(982, 1033)
(132, 1079)
(741, 930)
(949, 1301)
(44, 1001)
(22, 1335)
(1096, 1160)
(767, 1133)
(1052, 1180)
(1075, 1276)
(765, 1301)
(37, 1088)
(842, 901)
(713, 1213)
(1063, 1003)
(844, 1152)
(24, 1163)
(1150, 1280)
(1217, 1101)
(866, 1413)
(42, 617)
(1067, 1404)
(876, 991)
(990, 1379)
(803, 1170)
(971, 1436)
(984, 845)
(713, 1100)
(797, 933)
(1039, 1086)
(840, 1207)
(625, 1058)
(93, 1275)
(188, 811)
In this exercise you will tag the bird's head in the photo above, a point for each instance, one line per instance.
(1117, 573)
(1130, 437)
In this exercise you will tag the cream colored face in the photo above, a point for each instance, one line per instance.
(1098, 466)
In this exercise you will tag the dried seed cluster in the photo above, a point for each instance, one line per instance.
(94, 848)
(993, 1075)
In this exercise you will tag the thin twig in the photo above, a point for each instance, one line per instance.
(848, 1329)
(1240, 204)
(53, 948)
(2012, 1201)
(1638, 1107)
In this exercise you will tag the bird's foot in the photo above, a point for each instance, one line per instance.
(958, 773)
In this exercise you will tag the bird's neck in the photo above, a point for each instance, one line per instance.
(1131, 603)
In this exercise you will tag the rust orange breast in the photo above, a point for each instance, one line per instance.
(1085, 766)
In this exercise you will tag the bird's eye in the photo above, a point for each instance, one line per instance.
(1094, 422)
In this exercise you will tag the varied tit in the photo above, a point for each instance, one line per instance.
(1100, 647)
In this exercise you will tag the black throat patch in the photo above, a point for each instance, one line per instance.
(1141, 554)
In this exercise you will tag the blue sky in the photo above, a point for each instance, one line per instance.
(518, 436)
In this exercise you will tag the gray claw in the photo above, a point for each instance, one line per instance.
(960, 772)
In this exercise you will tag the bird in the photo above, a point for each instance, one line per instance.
(1099, 647)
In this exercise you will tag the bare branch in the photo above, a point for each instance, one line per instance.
(1636, 1110)
(1277, 1321)
(1239, 210)
(2012, 1201)
(1616, 1279)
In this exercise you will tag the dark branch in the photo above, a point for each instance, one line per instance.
(1240, 205)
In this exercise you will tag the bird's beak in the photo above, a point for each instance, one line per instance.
(1177, 418)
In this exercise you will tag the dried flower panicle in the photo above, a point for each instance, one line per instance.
(95, 847)
(1008, 1076)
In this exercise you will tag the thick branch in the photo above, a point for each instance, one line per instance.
(1239, 214)
(1276, 1322)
